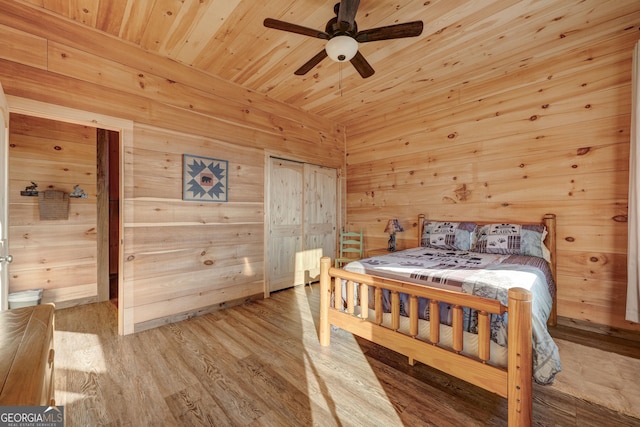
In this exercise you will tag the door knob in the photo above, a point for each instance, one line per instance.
(8, 259)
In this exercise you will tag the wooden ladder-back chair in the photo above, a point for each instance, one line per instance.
(351, 247)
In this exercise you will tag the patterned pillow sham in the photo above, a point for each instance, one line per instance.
(517, 239)
(449, 235)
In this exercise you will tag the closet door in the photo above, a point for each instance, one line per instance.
(320, 188)
(285, 221)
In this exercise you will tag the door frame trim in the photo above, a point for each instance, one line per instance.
(4, 200)
(29, 107)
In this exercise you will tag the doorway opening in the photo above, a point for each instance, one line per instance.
(67, 245)
(108, 199)
(120, 133)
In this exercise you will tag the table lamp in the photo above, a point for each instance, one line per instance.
(393, 226)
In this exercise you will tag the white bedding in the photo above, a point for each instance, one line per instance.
(487, 275)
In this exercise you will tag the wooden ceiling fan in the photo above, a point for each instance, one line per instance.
(342, 37)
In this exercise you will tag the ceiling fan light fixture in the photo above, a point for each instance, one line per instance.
(341, 48)
(342, 37)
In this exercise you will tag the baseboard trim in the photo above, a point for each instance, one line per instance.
(600, 329)
(154, 323)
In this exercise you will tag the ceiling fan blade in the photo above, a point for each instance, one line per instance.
(362, 66)
(347, 12)
(306, 67)
(293, 28)
(398, 31)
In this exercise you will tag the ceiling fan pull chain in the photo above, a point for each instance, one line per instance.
(340, 78)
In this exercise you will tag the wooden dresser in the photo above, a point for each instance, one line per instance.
(26, 356)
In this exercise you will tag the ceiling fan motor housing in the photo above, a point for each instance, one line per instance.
(342, 45)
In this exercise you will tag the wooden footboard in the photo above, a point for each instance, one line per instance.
(513, 382)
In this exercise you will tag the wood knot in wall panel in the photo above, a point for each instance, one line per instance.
(462, 193)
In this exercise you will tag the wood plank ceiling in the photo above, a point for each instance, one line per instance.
(463, 42)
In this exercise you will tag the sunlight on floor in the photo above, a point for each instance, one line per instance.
(77, 361)
(97, 362)
(307, 265)
(64, 398)
(327, 394)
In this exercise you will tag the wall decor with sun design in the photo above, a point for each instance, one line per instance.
(204, 179)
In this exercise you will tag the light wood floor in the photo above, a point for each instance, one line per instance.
(260, 364)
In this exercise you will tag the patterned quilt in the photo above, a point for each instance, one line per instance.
(486, 275)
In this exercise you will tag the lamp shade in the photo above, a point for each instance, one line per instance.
(341, 48)
(393, 226)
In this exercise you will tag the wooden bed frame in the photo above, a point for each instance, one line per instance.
(513, 382)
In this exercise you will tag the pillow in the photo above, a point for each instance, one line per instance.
(516, 239)
(449, 235)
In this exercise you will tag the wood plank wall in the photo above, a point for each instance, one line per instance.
(58, 256)
(551, 136)
(193, 254)
(180, 257)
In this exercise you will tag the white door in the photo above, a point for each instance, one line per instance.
(320, 188)
(302, 221)
(5, 258)
(285, 222)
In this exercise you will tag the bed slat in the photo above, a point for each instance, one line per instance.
(364, 301)
(378, 305)
(434, 313)
(456, 326)
(413, 316)
(395, 310)
(484, 336)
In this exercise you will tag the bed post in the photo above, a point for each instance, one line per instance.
(421, 219)
(325, 298)
(520, 358)
(550, 241)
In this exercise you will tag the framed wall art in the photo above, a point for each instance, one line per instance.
(204, 179)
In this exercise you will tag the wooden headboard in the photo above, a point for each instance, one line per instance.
(549, 221)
